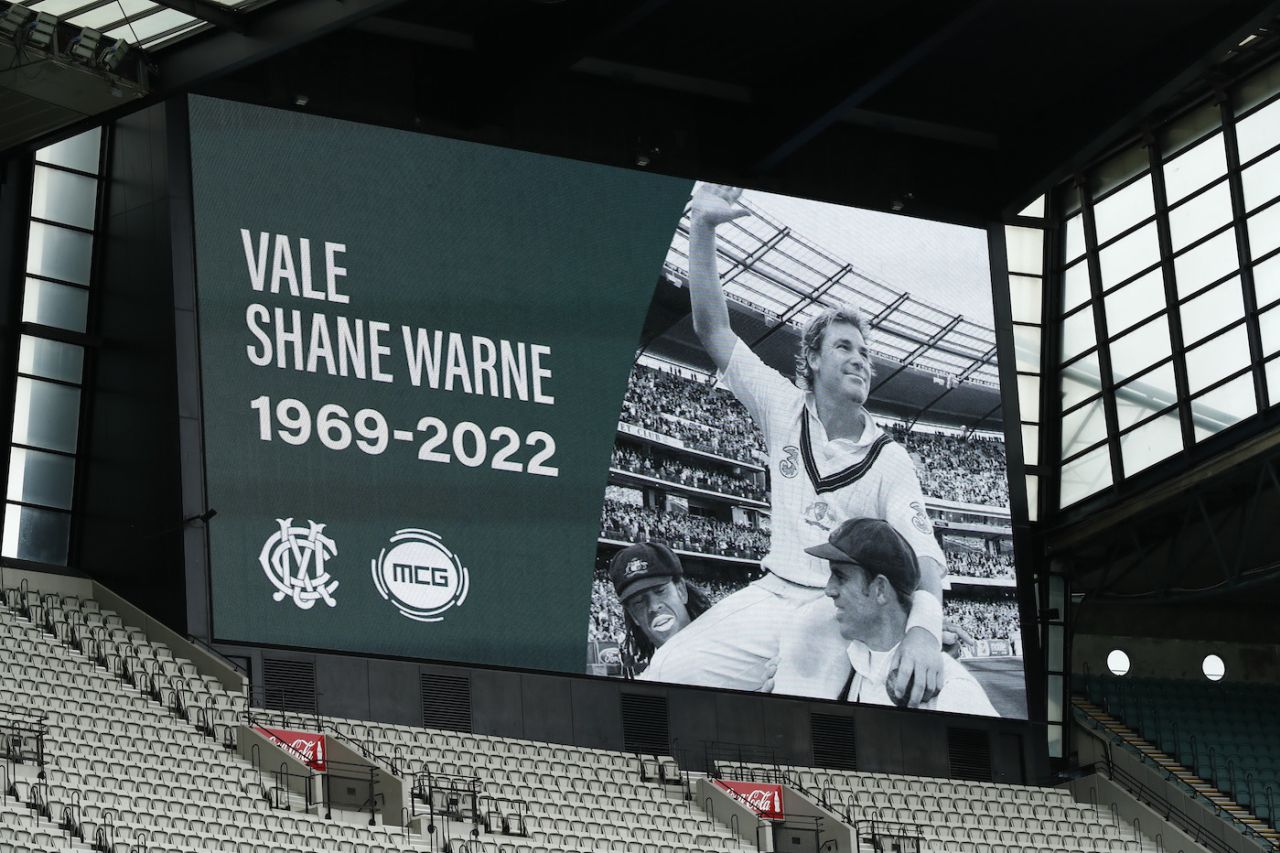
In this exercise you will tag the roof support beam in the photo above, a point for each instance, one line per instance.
(809, 129)
(220, 16)
(918, 351)
(271, 30)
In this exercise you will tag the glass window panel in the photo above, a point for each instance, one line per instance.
(51, 304)
(1264, 230)
(1269, 326)
(1225, 405)
(1078, 333)
(1155, 440)
(1194, 168)
(1217, 358)
(1211, 260)
(1129, 254)
(1123, 208)
(1195, 218)
(1025, 249)
(46, 415)
(1115, 171)
(1075, 237)
(1141, 348)
(1088, 475)
(1031, 444)
(1083, 427)
(1261, 181)
(111, 13)
(1026, 348)
(1033, 497)
(58, 8)
(1266, 281)
(1273, 380)
(1075, 286)
(1029, 399)
(1139, 399)
(63, 197)
(1257, 88)
(41, 478)
(1080, 381)
(1258, 131)
(1135, 301)
(39, 535)
(1216, 308)
(1055, 682)
(1053, 740)
(78, 152)
(50, 359)
(59, 253)
(142, 29)
(1025, 294)
(1035, 210)
(1188, 127)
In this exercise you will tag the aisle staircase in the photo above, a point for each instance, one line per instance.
(1222, 803)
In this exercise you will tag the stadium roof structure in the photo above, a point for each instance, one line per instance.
(145, 24)
(965, 109)
(930, 364)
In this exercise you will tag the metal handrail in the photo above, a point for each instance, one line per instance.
(909, 831)
(196, 641)
(519, 814)
(1186, 822)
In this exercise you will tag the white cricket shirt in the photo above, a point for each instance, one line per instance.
(816, 484)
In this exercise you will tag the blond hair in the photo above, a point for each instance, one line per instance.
(813, 332)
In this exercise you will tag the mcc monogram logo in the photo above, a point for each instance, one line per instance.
(420, 576)
(293, 560)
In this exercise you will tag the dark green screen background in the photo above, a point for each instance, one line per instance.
(444, 235)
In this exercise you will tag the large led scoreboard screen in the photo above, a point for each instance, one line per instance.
(470, 404)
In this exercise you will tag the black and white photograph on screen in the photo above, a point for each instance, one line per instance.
(808, 491)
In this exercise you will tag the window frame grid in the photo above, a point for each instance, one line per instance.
(1243, 250)
(1072, 198)
(1105, 378)
(83, 339)
(1172, 305)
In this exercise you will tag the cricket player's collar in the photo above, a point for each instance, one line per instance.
(837, 447)
(873, 666)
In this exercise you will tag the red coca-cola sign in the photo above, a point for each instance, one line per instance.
(305, 746)
(762, 798)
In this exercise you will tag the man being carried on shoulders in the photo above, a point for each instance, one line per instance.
(828, 462)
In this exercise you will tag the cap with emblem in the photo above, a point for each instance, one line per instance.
(877, 547)
(639, 567)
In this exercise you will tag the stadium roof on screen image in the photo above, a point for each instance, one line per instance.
(780, 268)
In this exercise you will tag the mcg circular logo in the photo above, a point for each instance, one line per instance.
(420, 576)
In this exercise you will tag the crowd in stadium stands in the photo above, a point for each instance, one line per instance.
(974, 565)
(984, 619)
(682, 532)
(969, 470)
(671, 404)
(698, 476)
